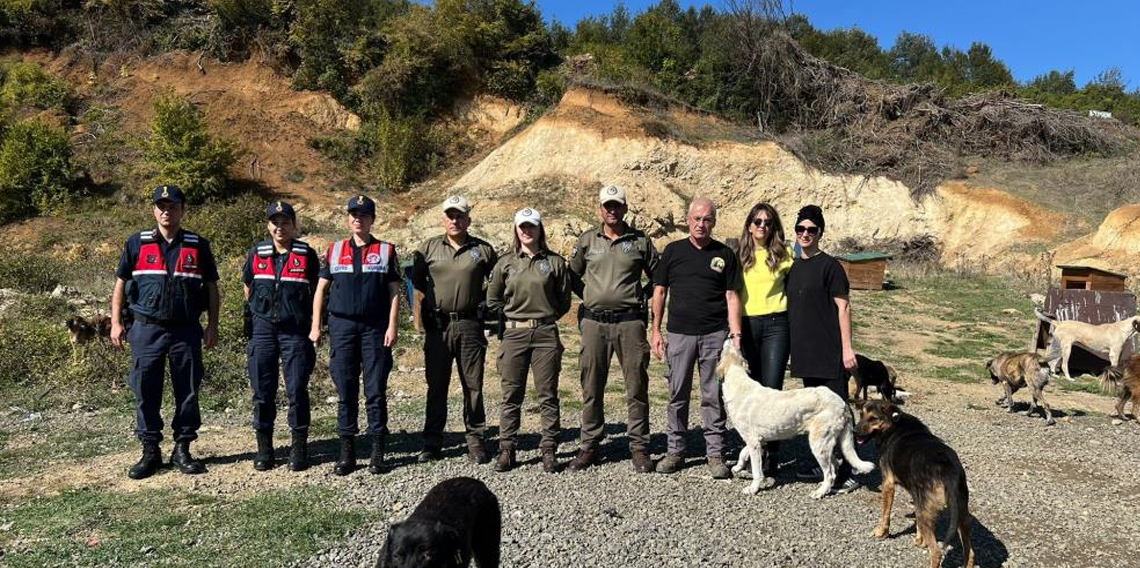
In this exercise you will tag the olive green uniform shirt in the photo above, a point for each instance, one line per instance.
(528, 288)
(453, 280)
(608, 273)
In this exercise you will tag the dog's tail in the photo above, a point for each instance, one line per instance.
(1045, 317)
(952, 484)
(1110, 381)
(847, 445)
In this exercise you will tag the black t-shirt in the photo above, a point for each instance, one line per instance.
(697, 279)
(817, 347)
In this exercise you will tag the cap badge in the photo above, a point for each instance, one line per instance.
(527, 212)
(455, 199)
(612, 190)
(279, 209)
(360, 200)
(165, 191)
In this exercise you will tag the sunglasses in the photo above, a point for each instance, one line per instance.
(800, 229)
(763, 222)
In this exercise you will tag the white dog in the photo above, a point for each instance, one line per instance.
(1108, 337)
(763, 415)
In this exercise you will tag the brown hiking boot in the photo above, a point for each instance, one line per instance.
(641, 461)
(549, 462)
(506, 461)
(718, 469)
(586, 457)
(670, 464)
(476, 454)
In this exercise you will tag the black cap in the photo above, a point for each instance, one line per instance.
(170, 193)
(280, 208)
(362, 204)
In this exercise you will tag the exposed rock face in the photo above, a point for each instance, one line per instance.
(1114, 246)
(558, 163)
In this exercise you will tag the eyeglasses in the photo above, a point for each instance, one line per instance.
(800, 229)
(763, 222)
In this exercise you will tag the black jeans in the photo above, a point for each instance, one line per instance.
(839, 387)
(766, 343)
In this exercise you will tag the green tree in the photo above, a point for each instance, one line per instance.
(182, 152)
(23, 83)
(1055, 83)
(914, 58)
(35, 170)
(985, 71)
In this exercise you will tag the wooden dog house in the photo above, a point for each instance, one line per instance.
(865, 270)
(1088, 278)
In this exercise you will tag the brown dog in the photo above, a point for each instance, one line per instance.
(929, 470)
(86, 330)
(1124, 381)
(1016, 370)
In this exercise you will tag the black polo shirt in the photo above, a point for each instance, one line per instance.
(697, 279)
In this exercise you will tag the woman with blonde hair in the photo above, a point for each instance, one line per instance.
(766, 260)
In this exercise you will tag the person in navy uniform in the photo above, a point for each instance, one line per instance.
(364, 309)
(280, 276)
(169, 277)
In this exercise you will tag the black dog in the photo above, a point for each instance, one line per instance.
(911, 456)
(871, 372)
(458, 520)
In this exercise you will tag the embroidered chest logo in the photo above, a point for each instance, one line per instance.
(475, 255)
(262, 266)
(296, 262)
(372, 258)
(188, 260)
(152, 258)
(717, 264)
(545, 268)
(626, 246)
(574, 251)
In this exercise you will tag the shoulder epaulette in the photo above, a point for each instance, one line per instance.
(147, 236)
(265, 249)
(190, 238)
(300, 247)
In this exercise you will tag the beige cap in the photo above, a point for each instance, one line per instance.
(457, 202)
(611, 193)
(528, 215)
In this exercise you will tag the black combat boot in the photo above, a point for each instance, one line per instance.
(376, 464)
(186, 463)
(149, 463)
(263, 461)
(347, 462)
(299, 451)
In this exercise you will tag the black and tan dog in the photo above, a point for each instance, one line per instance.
(1015, 370)
(930, 471)
(1124, 382)
(86, 330)
(459, 519)
(870, 372)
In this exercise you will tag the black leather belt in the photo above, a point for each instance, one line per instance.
(611, 316)
(455, 316)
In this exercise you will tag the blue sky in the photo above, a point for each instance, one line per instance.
(1031, 37)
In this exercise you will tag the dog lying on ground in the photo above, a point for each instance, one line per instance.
(929, 470)
(459, 519)
(1016, 370)
(763, 415)
(874, 373)
(1108, 337)
(87, 330)
(1124, 382)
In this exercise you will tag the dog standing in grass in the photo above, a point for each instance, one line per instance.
(930, 471)
(458, 520)
(82, 331)
(1016, 370)
(763, 415)
(1124, 381)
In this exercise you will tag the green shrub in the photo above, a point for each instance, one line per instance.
(29, 272)
(24, 83)
(181, 151)
(403, 150)
(35, 170)
(231, 225)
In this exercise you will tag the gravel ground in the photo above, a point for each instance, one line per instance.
(1058, 496)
